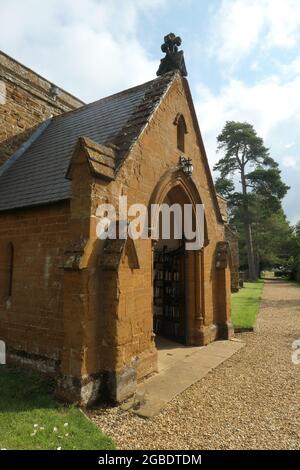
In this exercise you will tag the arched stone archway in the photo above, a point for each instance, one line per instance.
(175, 179)
(176, 188)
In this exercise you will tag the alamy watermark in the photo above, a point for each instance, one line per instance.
(2, 92)
(160, 221)
(296, 352)
(2, 353)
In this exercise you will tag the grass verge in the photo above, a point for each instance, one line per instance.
(245, 305)
(31, 419)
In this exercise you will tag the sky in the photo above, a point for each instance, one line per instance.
(242, 57)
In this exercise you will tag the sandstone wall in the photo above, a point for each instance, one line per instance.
(91, 322)
(122, 298)
(31, 319)
(233, 240)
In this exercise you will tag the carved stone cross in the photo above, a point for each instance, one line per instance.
(174, 59)
(171, 43)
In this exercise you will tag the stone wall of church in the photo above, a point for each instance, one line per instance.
(31, 315)
(26, 99)
(233, 240)
(223, 208)
(122, 344)
(71, 313)
(156, 153)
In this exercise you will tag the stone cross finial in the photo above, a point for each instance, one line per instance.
(171, 43)
(174, 59)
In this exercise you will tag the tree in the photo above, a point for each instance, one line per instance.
(271, 239)
(294, 260)
(261, 187)
(272, 233)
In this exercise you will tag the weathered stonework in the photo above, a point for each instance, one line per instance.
(31, 320)
(87, 304)
(233, 240)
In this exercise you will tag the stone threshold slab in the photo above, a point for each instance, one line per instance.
(161, 388)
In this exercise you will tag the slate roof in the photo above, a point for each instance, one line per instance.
(36, 174)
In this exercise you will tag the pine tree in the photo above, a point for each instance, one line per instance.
(245, 155)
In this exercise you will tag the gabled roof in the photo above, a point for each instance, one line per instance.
(37, 173)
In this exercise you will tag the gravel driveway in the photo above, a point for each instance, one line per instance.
(252, 401)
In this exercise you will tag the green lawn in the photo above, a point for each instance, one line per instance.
(31, 419)
(245, 304)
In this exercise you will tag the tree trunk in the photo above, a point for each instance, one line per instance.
(257, 264)
(250, 253)
(248, 230)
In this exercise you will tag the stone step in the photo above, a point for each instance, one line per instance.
(154, 394)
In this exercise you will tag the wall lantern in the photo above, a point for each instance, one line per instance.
(186, 165)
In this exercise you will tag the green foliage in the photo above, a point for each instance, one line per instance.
(271, 236)
(240, 145)
(294, 259)
(31, 419)
(297, 233)
(268, 185)
(224, 187)
(272, 239)
(256, 202)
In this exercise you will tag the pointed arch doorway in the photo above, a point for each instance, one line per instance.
(177, 274)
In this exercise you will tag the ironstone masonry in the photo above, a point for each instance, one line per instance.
(72, 305)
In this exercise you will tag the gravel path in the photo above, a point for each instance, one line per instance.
(252, 401)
